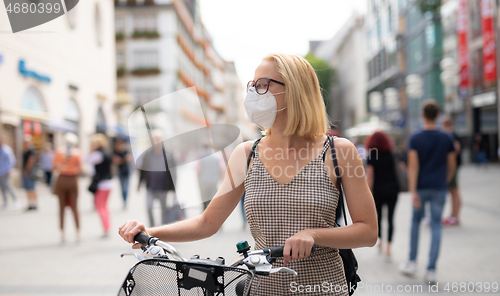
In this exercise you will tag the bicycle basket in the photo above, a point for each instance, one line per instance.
(164, 277)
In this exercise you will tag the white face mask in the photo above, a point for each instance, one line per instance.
(261, 109)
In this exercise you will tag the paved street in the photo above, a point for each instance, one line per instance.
(34, 262)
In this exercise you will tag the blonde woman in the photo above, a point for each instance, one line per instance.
(101, 180)
(67, 163)
(290, 184)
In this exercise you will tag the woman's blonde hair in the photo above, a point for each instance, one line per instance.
(305, 107)
(100, 140)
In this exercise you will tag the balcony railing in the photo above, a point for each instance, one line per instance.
(145, 71)
(145, 34)
(119, 36)
(120, 72)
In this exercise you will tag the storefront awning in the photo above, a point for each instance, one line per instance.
(59, 125)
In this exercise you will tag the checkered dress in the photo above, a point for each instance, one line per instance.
(277, 211)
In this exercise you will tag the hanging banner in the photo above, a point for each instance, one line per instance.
(489, 56)
(27, 127)
(463, 48)
(37, 128)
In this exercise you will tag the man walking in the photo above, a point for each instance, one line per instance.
(431, 165)
(159, 180)
(7, 163)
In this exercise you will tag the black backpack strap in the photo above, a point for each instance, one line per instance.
(339, 179)
(252, 152)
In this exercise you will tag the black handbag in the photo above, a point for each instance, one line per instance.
(347, 255)
(401, 175)
(93, 184)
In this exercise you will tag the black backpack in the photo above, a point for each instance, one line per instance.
(347, 255)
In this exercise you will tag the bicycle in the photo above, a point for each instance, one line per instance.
(156, 274)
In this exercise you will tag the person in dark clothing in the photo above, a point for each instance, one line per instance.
(479, 148)
(29, 160)
(382, 180)
(159, 181)
(431, 165)
(122, 158)
(447, 126)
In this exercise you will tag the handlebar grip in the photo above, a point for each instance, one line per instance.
(278, 251)
(143, 238)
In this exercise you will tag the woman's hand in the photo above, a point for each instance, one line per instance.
(129, 230)
(298, 246)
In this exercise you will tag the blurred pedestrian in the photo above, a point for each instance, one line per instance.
(382, 180)
(46, 160)
(67, 165)
(210, 169)
(122, 158)
(431, 165)
(447, 126)
(159, 179)
(7, 163)
(479, 148)
(101, 179)
(29, 161)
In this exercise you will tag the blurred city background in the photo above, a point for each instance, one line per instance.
(88, 70)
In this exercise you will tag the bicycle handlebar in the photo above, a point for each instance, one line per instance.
(146, 239)
(278, 251)
(143, 238)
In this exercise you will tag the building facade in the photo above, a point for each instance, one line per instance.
(345, 54)
(162, 47)
(59, 76)
(385, 60)
(470, 48)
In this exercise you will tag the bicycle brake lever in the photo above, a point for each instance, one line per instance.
(284, 269)
(137, 256)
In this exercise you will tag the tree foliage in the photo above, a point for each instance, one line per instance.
(325, 74)
(429, 5)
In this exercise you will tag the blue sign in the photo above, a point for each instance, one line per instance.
(27, 73)
(1, 58)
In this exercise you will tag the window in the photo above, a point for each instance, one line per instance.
(477, 71)
(475, 18)
(71, 111)
(120, 24)
(98, 25)
(145, 94)
(146, 59)
(120, 59)
(389, 16)
(32, 100)
(145, 22)
(415, 58)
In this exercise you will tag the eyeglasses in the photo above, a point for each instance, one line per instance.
(262, 85)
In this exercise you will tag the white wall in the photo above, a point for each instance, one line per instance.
(69, 56)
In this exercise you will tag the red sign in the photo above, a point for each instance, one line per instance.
(463, 48)
(37, 128)
(489, 57)
(27, 127)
